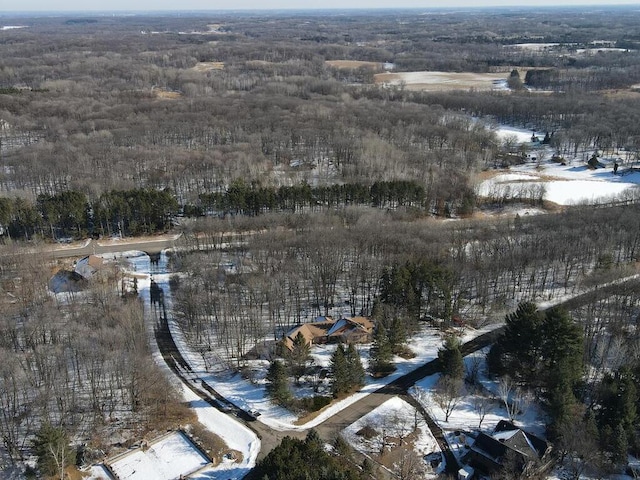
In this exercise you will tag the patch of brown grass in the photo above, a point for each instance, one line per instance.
(173, 415)
(208, 66)
(72, 473)
(309, 416)
(367, 432)
(215, 447)
(623, 94)
(166, 94)
(353, 64)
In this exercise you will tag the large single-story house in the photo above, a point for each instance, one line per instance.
(328, 330)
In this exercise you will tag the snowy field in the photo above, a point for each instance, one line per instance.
(570, 184)
(443, 81)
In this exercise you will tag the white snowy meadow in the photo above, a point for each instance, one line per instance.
(570, 184)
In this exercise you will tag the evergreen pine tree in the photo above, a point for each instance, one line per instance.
(450, 358)
(339, 372)
(619, 445)
(277, 385)
(562, 347)
(354, 366)
(298, 357)
(521, 344)
(617, 396)
(381, 354)
(397, 335)
(51, 446)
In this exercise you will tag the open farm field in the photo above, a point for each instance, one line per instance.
(354, 64)
(443, 81)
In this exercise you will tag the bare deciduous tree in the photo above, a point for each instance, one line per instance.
(514, 397)
(447, 394)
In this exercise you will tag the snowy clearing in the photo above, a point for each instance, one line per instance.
(171, 457)
(510, 133)
(570, 184)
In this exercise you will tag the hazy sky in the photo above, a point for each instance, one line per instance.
(154, 5)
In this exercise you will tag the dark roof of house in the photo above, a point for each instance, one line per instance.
(489, 448)
(537, 444)
(507, 437)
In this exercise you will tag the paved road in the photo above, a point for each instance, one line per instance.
(398, 388)
(149, 245)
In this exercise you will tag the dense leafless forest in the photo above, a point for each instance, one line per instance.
(303, 186)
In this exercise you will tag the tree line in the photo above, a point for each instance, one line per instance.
(72, 214)
(241, 198)
(144, 211)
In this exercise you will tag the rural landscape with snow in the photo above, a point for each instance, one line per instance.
(320, 245)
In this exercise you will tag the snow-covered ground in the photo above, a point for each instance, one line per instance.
(569, 184)
(252, 396)
(518, 135)
(236, 436)
(397, 419)
(170, 457)
(464, 420)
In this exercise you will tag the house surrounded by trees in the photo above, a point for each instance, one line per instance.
(508, 447)
(328, 330)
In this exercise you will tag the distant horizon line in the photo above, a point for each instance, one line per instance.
(531, 6)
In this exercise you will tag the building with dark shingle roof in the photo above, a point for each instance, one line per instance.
(508, 442)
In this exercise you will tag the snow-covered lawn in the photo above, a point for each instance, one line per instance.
(236, 436)
(169, 458)
(397, 419)
(568, 184)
